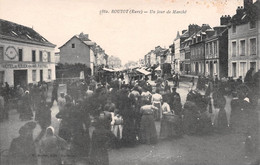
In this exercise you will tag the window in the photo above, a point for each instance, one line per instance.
(243, 69)
(1, 53)
(253, 65)
(252, 24)
(73, 45)
(213, 47)
(234, 48)
(49, 74)
(33, 75)
(234, 69)
(242, 47)
(20, 54)
(252, 46)
(49, 57)
(216, 48)
(33, 56)
(234, 29)
(40, 56)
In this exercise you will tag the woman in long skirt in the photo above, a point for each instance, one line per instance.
(100, 139)
(165, 131)
(148, 130)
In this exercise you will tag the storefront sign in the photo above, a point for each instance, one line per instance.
(13, 66)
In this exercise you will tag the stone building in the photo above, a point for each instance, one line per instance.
(25, 56)
(243, 39)
(197, 49)
(216, 50)
(78, 50)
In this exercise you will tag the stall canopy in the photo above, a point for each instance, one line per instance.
(158, 68)
(107, 69)
(145, 72)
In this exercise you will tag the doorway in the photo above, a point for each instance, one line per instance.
(41, 75)
(211, 68)
(20, 78)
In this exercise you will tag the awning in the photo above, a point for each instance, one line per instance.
(107, 69)
(143, 71)
(158, 68)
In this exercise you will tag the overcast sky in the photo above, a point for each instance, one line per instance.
(127, 36)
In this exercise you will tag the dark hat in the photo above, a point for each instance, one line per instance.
(27, 127)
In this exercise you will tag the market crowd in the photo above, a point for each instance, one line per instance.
(125, 115)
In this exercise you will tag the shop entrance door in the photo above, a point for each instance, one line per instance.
(20, 77)
(41, 75)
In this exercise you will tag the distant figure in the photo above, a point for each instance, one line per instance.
(54, 95)
(177, 78)
(192, 82)
(61, 101)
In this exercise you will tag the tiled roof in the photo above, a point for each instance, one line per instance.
(20, 33)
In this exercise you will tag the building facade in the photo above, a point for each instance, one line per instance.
(25, 56)
(197, 49)
(243, 40)
(216, 50)
(78, 50)
(114, 62)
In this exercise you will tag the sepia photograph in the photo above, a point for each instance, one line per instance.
(130, 82)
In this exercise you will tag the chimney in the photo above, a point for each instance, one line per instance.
(240, 10)
(182, 32)
(83, 36)
(193, 29)
(210, 32)
(247, 3)
(224, 20)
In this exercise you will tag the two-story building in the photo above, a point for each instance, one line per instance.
(25, 56)
(243, 39)
(78, 50)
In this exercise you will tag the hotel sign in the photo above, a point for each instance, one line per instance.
(19, 66)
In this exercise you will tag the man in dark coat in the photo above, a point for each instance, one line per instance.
(249, 77)
(22, 150)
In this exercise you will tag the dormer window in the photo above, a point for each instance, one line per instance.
(252, 24)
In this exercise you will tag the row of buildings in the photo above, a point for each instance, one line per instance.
(80, 49)
(227, 50)
(27, 57)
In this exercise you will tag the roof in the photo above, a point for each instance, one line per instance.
(87, 42)
(244, 16)
(19, 33)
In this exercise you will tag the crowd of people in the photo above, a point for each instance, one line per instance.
(125, 115)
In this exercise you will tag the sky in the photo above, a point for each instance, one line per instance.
(128, 36)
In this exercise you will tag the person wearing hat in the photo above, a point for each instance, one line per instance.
(22, 149)
(26, 111)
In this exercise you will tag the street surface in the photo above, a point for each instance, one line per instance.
(214, 149)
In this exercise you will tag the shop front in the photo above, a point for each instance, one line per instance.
(26, 72)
